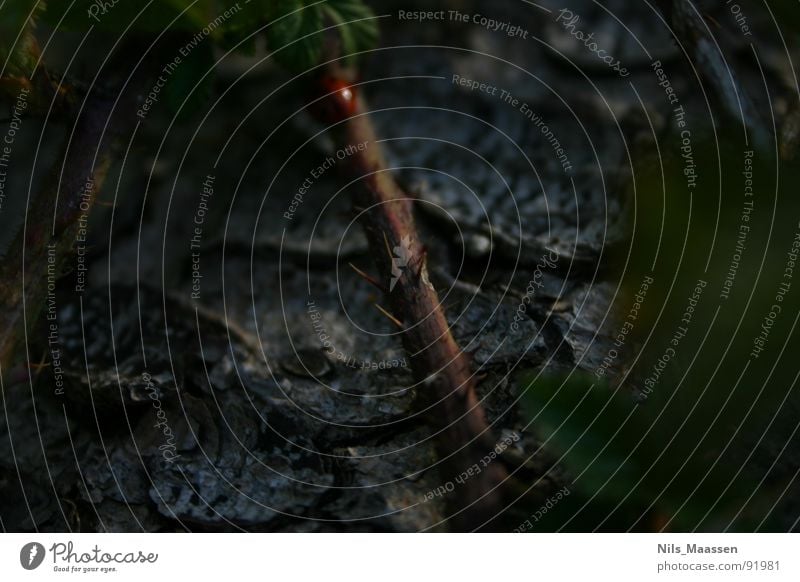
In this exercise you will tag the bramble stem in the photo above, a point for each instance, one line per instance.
(438, 363)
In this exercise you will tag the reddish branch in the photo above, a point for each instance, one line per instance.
(440, 366)
(24, 269)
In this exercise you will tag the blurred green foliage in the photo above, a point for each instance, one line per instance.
(17, 42)
(689, 449)
(295, 31)
(294, 34)
(293, 27)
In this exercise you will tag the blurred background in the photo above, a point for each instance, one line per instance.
(611, 224)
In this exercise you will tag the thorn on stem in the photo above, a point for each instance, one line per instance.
(43, 363)
(368, 278)
(388, 249)
(391, 317)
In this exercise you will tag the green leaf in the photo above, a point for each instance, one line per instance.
(579, 419)
(296, 37)
(294, 32)
(619, 450)
(356, 26)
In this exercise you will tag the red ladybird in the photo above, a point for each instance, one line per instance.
(335, 100)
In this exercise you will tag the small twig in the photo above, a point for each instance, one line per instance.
(733, 95)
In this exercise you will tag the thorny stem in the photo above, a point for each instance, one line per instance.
(38, 254)
(439, 365)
